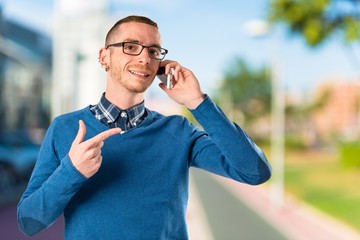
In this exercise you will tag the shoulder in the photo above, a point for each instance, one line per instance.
(69, 121)
(71, 115)
(166, 119)
(174, 124)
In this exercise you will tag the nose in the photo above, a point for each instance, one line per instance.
(144, 56)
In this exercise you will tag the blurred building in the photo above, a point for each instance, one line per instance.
(79, 31)
(339, 115)
(44, 76)
(25, 72)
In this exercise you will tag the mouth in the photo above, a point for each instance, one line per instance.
(139, 74)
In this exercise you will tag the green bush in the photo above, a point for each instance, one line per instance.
(350, 154)
(295, 142)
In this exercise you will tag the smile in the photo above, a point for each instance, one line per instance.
(139, 74)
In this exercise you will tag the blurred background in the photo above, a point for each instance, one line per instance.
(288, 72)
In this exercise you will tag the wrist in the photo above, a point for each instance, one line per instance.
(194, 103)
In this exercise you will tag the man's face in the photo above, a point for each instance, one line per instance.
(134, 73)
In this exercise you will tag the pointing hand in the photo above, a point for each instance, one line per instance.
(86, 156)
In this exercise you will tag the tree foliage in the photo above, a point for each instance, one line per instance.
(248, 89)
(316, 20)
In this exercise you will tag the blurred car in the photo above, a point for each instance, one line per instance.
(18, 154)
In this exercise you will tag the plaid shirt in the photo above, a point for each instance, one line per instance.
(110, 115)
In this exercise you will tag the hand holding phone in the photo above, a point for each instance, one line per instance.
(166, 79)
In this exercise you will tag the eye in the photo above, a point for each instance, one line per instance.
(154, 52)
(131, 47)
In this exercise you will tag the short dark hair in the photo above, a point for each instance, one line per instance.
(132, 18)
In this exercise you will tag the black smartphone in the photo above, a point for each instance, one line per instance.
(166, 79)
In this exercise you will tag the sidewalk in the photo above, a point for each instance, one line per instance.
(295, 219)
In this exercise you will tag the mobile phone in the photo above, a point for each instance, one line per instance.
(166, 79)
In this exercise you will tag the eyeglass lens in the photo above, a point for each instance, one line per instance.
(136, 49)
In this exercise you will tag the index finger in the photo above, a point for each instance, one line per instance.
(104, 135)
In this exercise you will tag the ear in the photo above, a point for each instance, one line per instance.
(104, 58)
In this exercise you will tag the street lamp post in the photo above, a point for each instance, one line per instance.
(260, 28)
(277, 135)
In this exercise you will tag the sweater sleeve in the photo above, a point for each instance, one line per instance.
(225, 149)
(53, 183)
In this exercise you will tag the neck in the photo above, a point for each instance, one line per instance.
(123, 99)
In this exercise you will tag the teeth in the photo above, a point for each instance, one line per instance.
(140, 74)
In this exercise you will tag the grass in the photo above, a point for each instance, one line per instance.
(319, 179)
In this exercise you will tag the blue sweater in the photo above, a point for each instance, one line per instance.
(141, 188)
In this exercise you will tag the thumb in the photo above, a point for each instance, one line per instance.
(81, 133)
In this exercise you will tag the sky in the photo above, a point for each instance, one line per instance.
(206, 36)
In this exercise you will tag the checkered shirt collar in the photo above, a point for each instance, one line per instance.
(108, 113)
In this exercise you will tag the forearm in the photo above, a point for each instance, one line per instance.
(45, 199)
(239, 151)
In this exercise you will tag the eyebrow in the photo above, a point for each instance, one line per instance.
(131, 40)
(137, 41)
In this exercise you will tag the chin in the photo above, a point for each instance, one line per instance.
(139, 89)
(135, 85)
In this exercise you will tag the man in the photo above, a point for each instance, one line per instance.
(118, 170)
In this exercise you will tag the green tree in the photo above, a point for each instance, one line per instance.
(317, 20)
(246, 90)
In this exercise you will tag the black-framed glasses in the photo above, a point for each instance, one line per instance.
(135, 49)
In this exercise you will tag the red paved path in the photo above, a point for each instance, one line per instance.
(295, 219)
